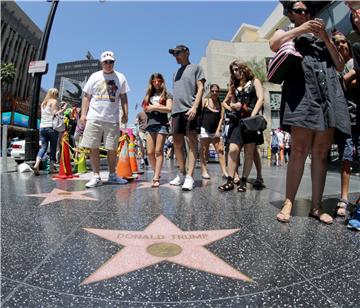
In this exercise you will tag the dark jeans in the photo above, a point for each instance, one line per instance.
(48, 134)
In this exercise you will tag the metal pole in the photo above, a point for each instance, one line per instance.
(32, 134)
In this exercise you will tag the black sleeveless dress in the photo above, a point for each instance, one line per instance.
(312, 96)
(236, 134)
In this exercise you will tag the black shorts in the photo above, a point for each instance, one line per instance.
(181, 125)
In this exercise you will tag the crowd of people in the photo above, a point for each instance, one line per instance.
(316, 99)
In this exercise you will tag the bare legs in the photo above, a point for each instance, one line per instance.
(320, 147)
(204, 145)
(304, 140)
(191, 139)
(219, 148)
(95, 161)
(155, 145)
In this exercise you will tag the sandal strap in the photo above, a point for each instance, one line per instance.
(343, 203)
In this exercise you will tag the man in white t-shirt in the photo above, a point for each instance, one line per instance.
(103, 93)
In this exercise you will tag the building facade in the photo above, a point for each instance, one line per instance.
(20, 39)
(76, 70)
(251, 44)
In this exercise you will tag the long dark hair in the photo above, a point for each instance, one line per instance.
(151, 89)
(234, 82)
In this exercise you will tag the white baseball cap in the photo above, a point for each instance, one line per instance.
(107, 55)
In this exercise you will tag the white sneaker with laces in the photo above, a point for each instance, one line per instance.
(94, 182)
(113, 178)
(188, 183)
(177, 181)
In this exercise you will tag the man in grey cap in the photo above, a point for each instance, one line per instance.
(188, 90)
(104, 91)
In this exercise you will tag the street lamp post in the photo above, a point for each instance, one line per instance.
(32, 134)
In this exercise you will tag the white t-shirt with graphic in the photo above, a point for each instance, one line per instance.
(105, 90)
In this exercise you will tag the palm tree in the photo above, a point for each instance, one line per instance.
(7, 73)
(258, 68)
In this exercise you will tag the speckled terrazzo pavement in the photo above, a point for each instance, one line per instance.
(46, 253)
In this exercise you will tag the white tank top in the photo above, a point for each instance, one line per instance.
(46, 117)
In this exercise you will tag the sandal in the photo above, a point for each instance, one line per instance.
(342, 206)
(258, 183)
(323, 217)
(229, 185)
(242, 185)
(285, 213)
(237, 182)
(155, 183)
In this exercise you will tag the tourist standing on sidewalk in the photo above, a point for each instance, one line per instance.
(157, 104)
(349, 149)
(141, 122)
(275, 148)
(49, 108)
(287, 146)
(186, 112)
(246, 98)
(210, 132)
(100, 110)
(312, 104)
(280, 136)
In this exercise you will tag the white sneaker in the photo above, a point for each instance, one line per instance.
(188, 183)
(177, 181)
(113, 178)
(94, 182)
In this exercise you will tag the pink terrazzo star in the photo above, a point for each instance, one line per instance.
(59, 194)
(163, 241)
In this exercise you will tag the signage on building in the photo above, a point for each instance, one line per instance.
(37, 67)
(71, 91)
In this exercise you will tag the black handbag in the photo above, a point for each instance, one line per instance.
(254, 124)
(231, 115)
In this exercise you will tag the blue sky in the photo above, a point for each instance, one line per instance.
(140, 33)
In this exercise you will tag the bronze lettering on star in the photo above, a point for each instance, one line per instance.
(164, 250)
(137, 236)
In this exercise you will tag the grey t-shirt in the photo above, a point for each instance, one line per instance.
(185, 87)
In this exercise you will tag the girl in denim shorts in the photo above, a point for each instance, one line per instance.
(157, 104)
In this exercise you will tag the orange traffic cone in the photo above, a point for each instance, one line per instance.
(123, 168)
(65, 171)
(132, 153)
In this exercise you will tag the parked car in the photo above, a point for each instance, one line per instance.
(17, 148)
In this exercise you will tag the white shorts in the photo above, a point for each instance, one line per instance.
(205, 134)
(96, 131)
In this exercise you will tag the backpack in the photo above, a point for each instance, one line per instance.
(274, 142)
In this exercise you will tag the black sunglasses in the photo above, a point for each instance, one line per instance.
(109, 62)
(300, 11)
(176, 53)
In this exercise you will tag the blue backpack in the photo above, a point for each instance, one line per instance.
(274, 142)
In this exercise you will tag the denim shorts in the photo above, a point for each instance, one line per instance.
(349, 149)
(158, 129)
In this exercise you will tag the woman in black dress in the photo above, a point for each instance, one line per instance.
(210, 131)
(245, 97)
(313, 104)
